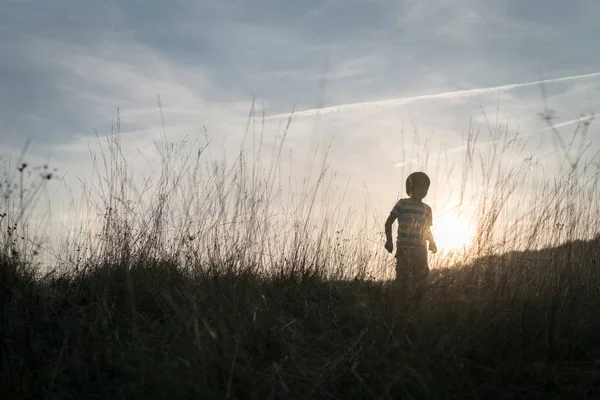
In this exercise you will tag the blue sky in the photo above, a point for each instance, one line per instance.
(68, 65)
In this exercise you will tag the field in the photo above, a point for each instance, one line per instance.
(185, 293)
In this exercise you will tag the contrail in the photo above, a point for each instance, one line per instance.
(582, 119)
(456, 94)
(463, 147)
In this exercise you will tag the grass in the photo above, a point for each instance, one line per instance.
(208, 280)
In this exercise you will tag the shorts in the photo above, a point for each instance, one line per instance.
(412, 268)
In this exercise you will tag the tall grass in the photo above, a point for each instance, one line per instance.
(233, 278)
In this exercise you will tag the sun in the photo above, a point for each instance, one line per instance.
(451, 232)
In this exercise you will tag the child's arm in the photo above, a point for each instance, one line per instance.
(429, 238)
(389, 244)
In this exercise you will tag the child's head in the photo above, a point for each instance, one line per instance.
(417, 185)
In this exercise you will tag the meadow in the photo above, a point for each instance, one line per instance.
(208, 279)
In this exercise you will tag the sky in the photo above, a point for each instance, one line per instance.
(376, 79)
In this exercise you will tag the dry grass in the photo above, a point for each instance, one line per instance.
(210, 282)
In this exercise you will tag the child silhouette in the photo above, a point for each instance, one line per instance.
(414, 231)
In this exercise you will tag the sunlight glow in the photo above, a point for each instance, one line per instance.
(451, 232)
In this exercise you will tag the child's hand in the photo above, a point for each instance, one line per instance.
(432, 247)
(389, 246)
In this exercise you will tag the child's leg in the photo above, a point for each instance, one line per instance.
(421, 266)
(404, 269)
(421, 272)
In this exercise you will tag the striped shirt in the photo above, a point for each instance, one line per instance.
(414, 220)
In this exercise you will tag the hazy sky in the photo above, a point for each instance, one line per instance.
(378, 66)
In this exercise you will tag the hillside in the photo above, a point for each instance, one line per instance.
(501, 328)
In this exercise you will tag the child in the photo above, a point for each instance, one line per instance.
(414, 223)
